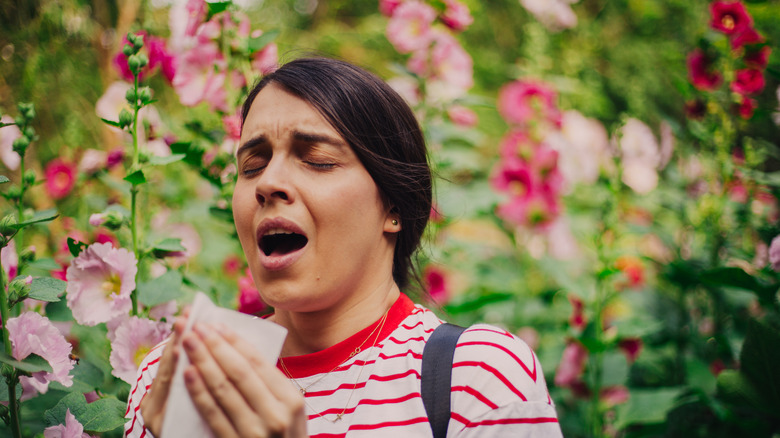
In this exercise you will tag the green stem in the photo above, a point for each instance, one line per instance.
(133, 198)
(11, 380)
(20, 204)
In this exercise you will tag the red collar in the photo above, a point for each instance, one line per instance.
(329, 358)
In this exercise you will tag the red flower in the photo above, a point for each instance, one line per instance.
(700, 71)
(730, 17)
(748, 36)
(572, 365)
(60, 178)
(633, 270)
(524, 101)
(631, 347)
(577, 318)
(695, 109)
(757, 57)
(748, 81)
(249, 298)
(747, 107)
(436, 283)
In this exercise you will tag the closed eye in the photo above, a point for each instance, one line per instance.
(320, 166)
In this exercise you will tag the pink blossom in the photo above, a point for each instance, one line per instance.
(746, 37)
(555, 15)
(561, 243)
(100, 281)
(572, 364)
(746, 107)
(266, 60)
(159, 56)
(640, 156)
(462, 116)
(232, 125)
(97, 219)
(450, 73)
(700, 71)
(115, 157)
(577, 318)
(583, 148)
(436, 283)
(60, 178)
(132, 341)
(9, 259)
(757, 57)
(631, 347)
(409, 29)
(456, 16)
(71, 429)
(231, 265)
(111, 103)
(729, 17)
(166, 310)
(200, 77)
(523, 101)
(748, 81)
(774, 253)
(92, 161)
(514, 176)
(196, 13)
(31, 333)
(387, 7)
(8, 134)
(407, 88)
(538, 208)
(249, 300)
(614, 395)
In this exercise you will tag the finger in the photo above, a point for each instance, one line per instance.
(221, 389)
(206, 405)
(153, 403)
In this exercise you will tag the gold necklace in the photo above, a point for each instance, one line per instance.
(358, 349)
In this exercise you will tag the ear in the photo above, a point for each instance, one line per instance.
(392, 221)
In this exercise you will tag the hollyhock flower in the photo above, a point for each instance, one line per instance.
(112, 101)
(729, 17)
(614, 395)
(577, 318)
(631, 347)
(462, 116)
(757, 57)
(159, 56)
(200, 77)
(409, 28)
(97, 219)
(555, 15)
(10, 260)
(514, 176)
(92, 161)
(32, 333)
(522, 101)
(387, 7)
(60, 178)
(232, 125)
(561, 243)
(166, 311)
(529, 335)
(582, 145)
(8, 134)
(249, 300)
(435, 280)
(747, 107)
(456, 16)
(572, 364)
(71, 429)
(700, 71)
(633, 270)
(774, 253)
(640, 156)
(407, 88)
(100, 281)
(748, 36)
(132, 341)
(448, 68)
(538, 208)
(748, 81)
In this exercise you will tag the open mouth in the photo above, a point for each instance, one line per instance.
(283, 242)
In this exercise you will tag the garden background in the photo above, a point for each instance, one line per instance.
(607, 185)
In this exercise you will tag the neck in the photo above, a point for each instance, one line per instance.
(309, 332)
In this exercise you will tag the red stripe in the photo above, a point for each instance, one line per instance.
(495, 372)
(505, 333)
(362, 384)
(399, 342)
(537, 420)
(371, 402)
(388, 424)
(417, 324)
(138, 380)
(531, 374)
(414, 355)
(478, 395)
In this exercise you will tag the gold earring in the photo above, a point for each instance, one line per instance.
(395, 222)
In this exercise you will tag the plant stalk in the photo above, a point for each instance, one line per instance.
(12, 380)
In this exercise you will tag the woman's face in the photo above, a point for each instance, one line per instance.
(311, 220)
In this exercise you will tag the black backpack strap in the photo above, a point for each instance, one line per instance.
(436, 379)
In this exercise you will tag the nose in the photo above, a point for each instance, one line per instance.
(274, 184)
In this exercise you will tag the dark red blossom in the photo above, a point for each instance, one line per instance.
(695, 109)
(631, 347)
(748, 81)
(730, 17)
(700, 71)
(748, 36)
(747, 107)
(757, 56)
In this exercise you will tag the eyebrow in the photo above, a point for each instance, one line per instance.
(306, 137)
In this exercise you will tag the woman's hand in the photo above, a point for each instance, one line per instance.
(153, 404)
(236, 391)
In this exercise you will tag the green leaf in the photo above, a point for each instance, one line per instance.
(38, 217)
(4, 179)
(162, 289)
(759, 358)
(45, 264)
(257, 44)
(111, 122)
(47, 289)
(477, 303)
(215, 8)
(4, 392)
(103, 415)
(75, 402)
(31, 364)
(161, 161)
(646, 406)
(169, 245)
(86, 378)
(734, 388)
(136, 178)
(75, 247)
(731, 276)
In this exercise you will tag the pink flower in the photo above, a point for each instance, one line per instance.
(435, 280)
(159, 56)
(387, 7)
(8, 134)
(577, 318)
(514, 176)
(583, 148)
(249, 300)
(757, 57)
(538, 208)
(451, 71)
(631, 347)
(10, 260)
(231, 265)
(747, 107)
(60, 178)
(196, 14)
(614, 395)
(200, 77)
(71, 429)
(462, 116)
(774, 253)
(265, 60)
(640, 156)
(572, 365)
(748, 81)
(700, 71)
(132, 341)
(409, 29)
(115, 157)
(522, 101)
(31, 333)
(92, 161)
(456, 16)
(729, 17)
(556, 15)
(100, 281)
(746, 37)
(232, 125)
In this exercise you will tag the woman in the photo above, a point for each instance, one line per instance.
(333, 194)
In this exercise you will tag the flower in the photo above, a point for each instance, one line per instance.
(538, 208)
(200, 76)
(132, 341)
(748, 81)
(32, 333)
(523, 101)
(582, 145)
(572, 365)
(249, 298)
(700, 71)
(462, 116)
(100, 281)
(555, 15)
(577, 318)
(729, 17)
(9, 259)
(265, 60)
(633, 270)
(71, 429)
(435, 280)
(774, 253)
(409, 28)
(614, 395)
(60, 178)
(158, 55)
(640, 156)
(631, 347)
(7, 136)
(456, 16)
(387, 7)
(757, 57)
(748, 36)
(450, 73)
(746, 107)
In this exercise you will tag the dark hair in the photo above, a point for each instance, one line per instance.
(381, 129)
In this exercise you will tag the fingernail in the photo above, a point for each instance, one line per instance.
(189, 343)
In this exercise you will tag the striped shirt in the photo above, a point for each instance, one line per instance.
(498, 388)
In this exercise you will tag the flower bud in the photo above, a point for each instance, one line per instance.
(29, 132)
(19, 289)
(29, 177)
(14, 193)
(20, 145)
(145, 94)
(138, 42)
(27, 255)
(131, 97)
(128, 50)
(134, 64)
(7, 225)
(125, 118)
(27, 110)
(143, 60)
(113, 219)
(144, 156)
